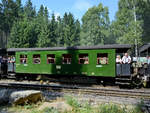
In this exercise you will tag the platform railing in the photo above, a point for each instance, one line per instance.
(123, 69)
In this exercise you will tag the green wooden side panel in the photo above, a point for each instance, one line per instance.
(91, 69)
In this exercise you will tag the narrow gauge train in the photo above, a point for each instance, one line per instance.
(95, 61)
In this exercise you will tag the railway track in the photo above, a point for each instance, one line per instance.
(115, 92)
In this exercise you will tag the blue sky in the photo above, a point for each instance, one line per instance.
(77, 7)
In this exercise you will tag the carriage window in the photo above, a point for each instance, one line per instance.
(50, 59)
(83, 59)
(66, 58)
(23, 59)
(102, 58)
(36, 59)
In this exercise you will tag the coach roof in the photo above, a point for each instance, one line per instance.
(112, 46)
(145, 47)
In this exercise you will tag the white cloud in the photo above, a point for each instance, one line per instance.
(82, 5)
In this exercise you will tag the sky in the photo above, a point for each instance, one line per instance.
(76, 7)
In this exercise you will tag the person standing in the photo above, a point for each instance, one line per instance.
(126, 59)
(118, 60)
(118, 65)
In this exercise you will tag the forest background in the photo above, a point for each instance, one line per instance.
(25, 27)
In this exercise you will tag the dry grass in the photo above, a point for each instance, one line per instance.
(71, 105)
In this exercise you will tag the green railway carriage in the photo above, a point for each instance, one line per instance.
(89, 61)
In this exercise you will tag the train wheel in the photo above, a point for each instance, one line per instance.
(137, 81)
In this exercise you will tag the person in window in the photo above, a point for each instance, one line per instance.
(86, 60)
(118, 60)
(126, 59)
(23, 61)
(37, 61)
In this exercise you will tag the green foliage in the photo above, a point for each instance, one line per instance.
(71, 30)
(110, 108)
(102, 108)
(50, 110)
(95, 26)
(42, 28)
(29, 10)
(22, 26)
(130, 22)
(77, 107)
(8, 14)
(23, 34)
(143, 14)
(53, 27)
(72, 102)
(28, 106)
(43, 37)
(131, 35)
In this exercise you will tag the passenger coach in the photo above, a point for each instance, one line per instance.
(89, 61)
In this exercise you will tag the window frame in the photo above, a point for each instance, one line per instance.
(68, 59)
(49, 55)
(26, 59)
(36, 58)
(100, 58)
(85, 59)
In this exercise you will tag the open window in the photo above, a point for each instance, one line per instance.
(50, 59)
(66, 59)
(102, 58)
(23, 59)
(36, 59)
(83, 59)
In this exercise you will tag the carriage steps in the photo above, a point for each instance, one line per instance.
(125, 80)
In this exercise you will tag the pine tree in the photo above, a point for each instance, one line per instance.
(46, 14)
(9, 16)
(59, 32)
(69, 30)
(23, 34)
(77, 33)
(19, 9)
(29, 10)
(42, 28)
(43, 37)
(53, 27)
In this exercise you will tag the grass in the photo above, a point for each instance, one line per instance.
(50, 110)
(78, 107)
(102, 108)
